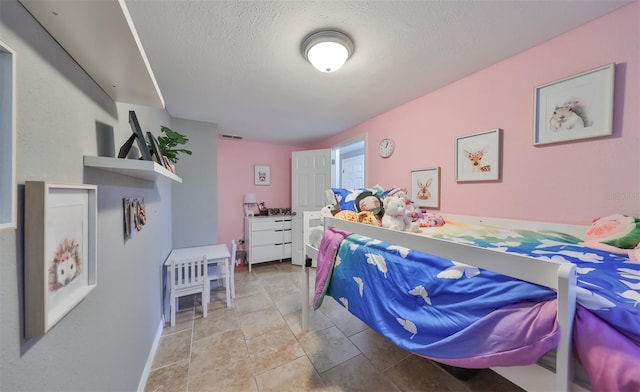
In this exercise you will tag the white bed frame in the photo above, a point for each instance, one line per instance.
(560, 277)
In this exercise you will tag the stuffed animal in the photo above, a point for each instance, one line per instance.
(397, 192)
(368, 201)
(431, 220)
(328, 210)
(347, 215)
(414, 211)
(365, 217)
(616, 234)
(396, 216)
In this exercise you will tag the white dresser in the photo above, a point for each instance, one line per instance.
(267, 238)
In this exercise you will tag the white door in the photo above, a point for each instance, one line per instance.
(310, 177)
(352, 175)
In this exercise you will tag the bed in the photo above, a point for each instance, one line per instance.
(605, 336)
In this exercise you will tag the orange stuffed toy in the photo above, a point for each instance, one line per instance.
(366, 217)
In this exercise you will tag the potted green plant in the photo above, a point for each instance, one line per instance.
(169, 142)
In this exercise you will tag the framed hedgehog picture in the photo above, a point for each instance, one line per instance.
(60, 251)
(478, 156)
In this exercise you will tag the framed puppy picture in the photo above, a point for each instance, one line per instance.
(478, 157)
(262, 175)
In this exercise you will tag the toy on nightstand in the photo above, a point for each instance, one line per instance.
(615, 233)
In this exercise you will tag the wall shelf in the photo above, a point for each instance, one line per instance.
(146, 170)
(101, 37)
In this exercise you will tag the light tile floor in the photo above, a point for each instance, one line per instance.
(258, 345)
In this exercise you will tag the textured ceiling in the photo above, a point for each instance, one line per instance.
(238, 64)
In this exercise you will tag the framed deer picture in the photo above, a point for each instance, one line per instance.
(478, 156)
(425, 187)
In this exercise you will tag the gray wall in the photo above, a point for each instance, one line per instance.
(102, 344)
(195, 200)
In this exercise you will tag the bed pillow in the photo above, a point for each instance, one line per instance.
(346, 198)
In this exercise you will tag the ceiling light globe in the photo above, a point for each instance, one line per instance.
(328, 56)
(327, 50)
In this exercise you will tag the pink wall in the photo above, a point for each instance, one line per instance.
(572, 182)
(236, 160)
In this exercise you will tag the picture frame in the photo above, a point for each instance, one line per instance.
(574, 108)
(155, 150)
(262, 175)
(478, 156)
(142, 142)
(134, 214)
(60, 251)
(425, 187)
(126, 147)
(8, 103)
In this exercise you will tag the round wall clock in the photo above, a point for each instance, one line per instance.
(387, 146)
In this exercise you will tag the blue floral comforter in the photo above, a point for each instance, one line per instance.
(470, 317)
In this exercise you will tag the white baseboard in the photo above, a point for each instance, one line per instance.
(152, 353)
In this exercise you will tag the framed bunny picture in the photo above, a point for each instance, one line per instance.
(425, 187)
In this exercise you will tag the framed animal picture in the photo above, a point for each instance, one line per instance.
(60, 251)
(577, 107)
(8, 137)
(262, 175)
(478, 156)
(425, 187)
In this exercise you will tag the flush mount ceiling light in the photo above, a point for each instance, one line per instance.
(327, 50)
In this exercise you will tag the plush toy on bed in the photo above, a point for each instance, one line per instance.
(365, 217)
(396, 216)
(368, 201)
(616, 234)
(328, 210)
(431, 219)
(414, 211)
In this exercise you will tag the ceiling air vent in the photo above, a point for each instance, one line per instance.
(232, 137)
